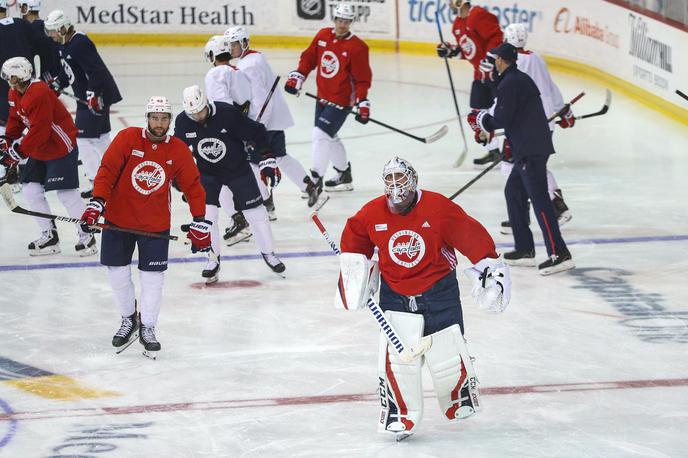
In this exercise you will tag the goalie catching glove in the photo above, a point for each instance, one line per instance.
(359, 278)
(491, 284)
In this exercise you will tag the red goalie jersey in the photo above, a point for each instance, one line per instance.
(416, 250)
(134, 180)
(476, 35)
(344, 74)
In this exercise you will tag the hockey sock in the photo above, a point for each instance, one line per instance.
(226, 199)
(123, 289)
(73, 203)
(89, 157)
(293, 169)
(260, 225)
(212, 215)
(151, 296)
(34, 195)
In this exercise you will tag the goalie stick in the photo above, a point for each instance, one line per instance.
(406, 353)
(464, 152)
(7, 196)
(429, 139)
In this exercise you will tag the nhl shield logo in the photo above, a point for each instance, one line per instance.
(406, 248)
(311, 9)
(147, 177)
(329, 64)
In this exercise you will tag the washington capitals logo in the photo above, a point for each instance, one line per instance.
(406, 248)
(147, 177)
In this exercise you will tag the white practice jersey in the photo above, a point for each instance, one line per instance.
(532, 64)
(225, 83)
(276, 115)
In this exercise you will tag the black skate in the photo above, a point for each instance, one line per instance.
(342, 181)
(561, 210)
(87, 194)
(314, 188)
(520, 258)
(270, 207)
(274, 263)
(238, 231)
(87, 245)
(211, 273)
(49, 243)
(492, 156)
(558, 262)
(127, 334)
(151, 346)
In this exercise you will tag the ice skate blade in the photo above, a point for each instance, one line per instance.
(340, 188)
(320, 203)
(402, 436)
(523, 262)
(90, 251)
(134, 337)
(150, 354)
(564, 218)
(240, 237)
(564, 266)
(211, 280)
(506, 231)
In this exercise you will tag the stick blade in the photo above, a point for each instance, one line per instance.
(437, 135)
(462, 157)
(6, 192)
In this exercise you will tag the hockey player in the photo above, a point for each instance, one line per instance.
(46, 49)
(343, 77)
(215, 133)
(91, 82)
(532, 65)
(132, 190)
(520, 113)
(49, 145)
(416, 232)
(476, 31)
(276, 116)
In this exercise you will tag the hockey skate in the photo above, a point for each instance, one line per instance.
(127, 334)
(88, 192)
(492, 156)
(341, 182)
(558, 262)
(211, 273)
(87, 245)
(238, 231)
(561, 210)
(270, 207)
(151, 346)
(274, 264)
(314, 188)
(520, 258)
(48, 243)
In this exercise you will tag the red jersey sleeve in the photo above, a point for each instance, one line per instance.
(15, 126)
(466, 235)
(114, 159)
(360, 70)
(355, 237)
(189, 180)
(39, 108)
(487, 27)
(309, 57)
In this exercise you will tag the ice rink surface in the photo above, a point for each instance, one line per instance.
(588, 363)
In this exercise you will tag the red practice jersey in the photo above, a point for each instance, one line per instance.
(344, 74)
(134, 180)
(416, 250)
(476, 35)
(52, 133)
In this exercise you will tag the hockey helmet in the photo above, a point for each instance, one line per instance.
(3, 4)
(17, 66)
(194, 100)
(240, 35)
(516, 35)
(345, 11)
(210, 47)
(158, 104)
(56, 20)
(401, 181)
(31, 5)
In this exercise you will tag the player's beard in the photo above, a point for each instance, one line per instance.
(405, 206)
(157, 133)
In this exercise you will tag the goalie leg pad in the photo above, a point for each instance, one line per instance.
(400, 388)
(452, 373)
(358, 279)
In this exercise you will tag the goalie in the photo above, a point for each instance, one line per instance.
(416, 232)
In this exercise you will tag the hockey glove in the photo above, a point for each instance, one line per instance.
(269, 172)
(363, 115)
(567, 119)
(481, 136)
(52, 82)
(95, 103)
(199, 234)
(447, 50)
(294, 82)
(491, 284)
(10, 155)
(91, 215)
(506, 152)
(487, 67)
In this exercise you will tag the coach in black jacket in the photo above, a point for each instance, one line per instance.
(520, 113)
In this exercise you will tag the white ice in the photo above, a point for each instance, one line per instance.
(259, 366)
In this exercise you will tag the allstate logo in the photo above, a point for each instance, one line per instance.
(147, 177)
(212, 149)
(468, 47)
(406, 248)
(329, 64)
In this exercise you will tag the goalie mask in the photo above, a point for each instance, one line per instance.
(401, 181)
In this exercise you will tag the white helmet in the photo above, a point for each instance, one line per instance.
(194, 100)
(3, 4)
(238, 34)
(516, 35)
(31, 5)
(216, 45)
(345, 11)
(400, 180)
(158, 104)
(17, 66)
(56, 20)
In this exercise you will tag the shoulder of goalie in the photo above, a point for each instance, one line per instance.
(359, 278)
(491, 284)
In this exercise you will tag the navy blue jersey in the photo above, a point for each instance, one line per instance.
(520, 113)
(87, 71)
(46, 49)
(218, 143)
(15, 41)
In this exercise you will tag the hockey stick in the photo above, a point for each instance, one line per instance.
(406, 353)
(267, 99)
(682, 94)
(429, 139)
(562, 111)
(462, 156)
(6, 192)
(603, 110)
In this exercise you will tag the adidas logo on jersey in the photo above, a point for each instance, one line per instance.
(223, 131)
(426, 224)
